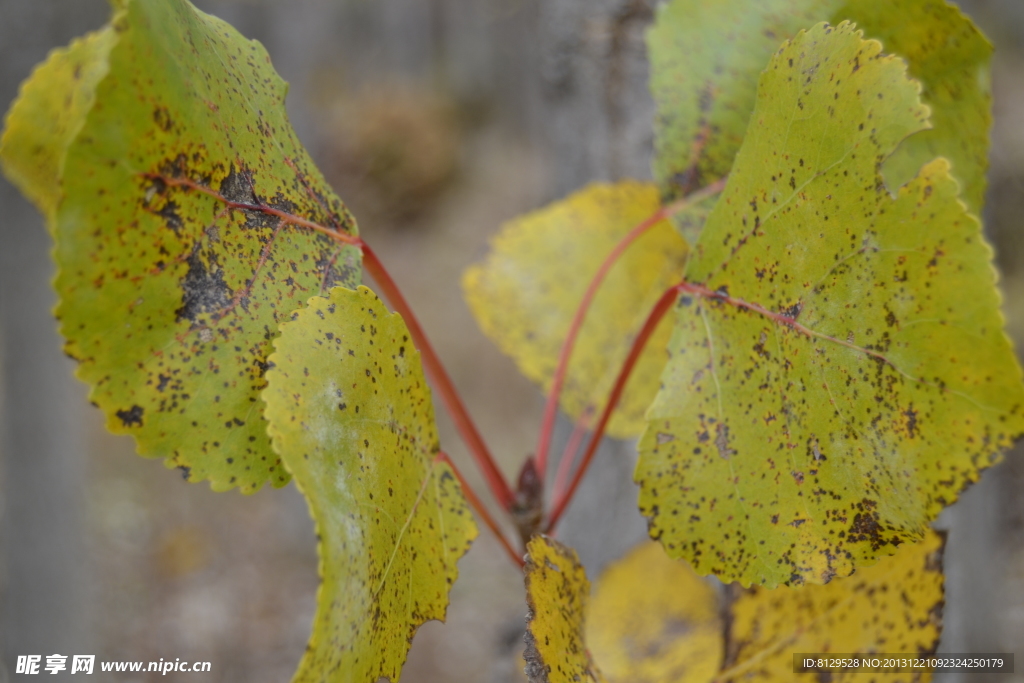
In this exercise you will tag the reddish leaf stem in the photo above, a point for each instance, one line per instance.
(572, 447)
(432, 363)
(557, 382)
(463, 422)
(551, 407)
(657, 313)
(481, 510)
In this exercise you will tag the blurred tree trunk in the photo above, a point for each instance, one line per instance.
(42, 445)
(594, 115)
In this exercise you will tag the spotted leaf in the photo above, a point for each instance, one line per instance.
(839, 370)
(894, 606)
(175, 189)
(525, 294)
(651, 618)
(706, 59)
(557, 590)
(350, 415)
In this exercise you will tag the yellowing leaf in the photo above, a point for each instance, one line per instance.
(556, 594)
(526, 293)
(892, 607)
(651, 619)
(169, 299)
(839, 370)
(706, 59)
(49, 114)
(350, 415)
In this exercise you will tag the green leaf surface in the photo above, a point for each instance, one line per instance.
(168, 298)
(525, 294)
(48, 116)
(894, 606)
(557, 591)
(951, 58)
(706, 59)
(350, 415)
(839, 370)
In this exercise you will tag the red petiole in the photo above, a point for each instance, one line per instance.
(431, 362)
(558, 380)
(657, 313)
(446, 389)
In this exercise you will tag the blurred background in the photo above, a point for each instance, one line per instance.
(435, 120)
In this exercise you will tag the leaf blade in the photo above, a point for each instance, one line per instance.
(705, 60)
(47, 116)
(356, 430)
(796, 409)
(557, 590)
(168, 298)
(904, 590)
(652, 619)
(705, 64)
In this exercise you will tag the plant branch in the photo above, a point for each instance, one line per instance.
(657, 313)
(557, 382)
(481, 510)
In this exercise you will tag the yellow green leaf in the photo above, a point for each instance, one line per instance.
(951, 58)
(893, 607)
(839, 370)
(350, 414)
(651, 619)
(706, 58)
(48, 115)
(556, 595)
(169, 299)
(525, 294)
